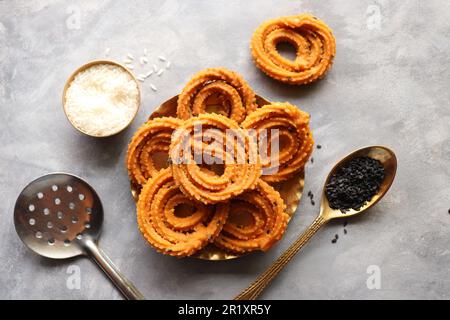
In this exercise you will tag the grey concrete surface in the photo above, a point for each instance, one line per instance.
(389, 85)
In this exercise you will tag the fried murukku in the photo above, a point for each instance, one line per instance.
(171, 234)
(212, 139)
(227, 88)
(289, 148)
(264, 225)
(312, 39)
(151, 138)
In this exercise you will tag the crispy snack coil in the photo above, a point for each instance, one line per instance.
(168, 233)
(152, 137)
(312, 39)
(228, 88)
(268, 221)
(294, 138)
(219, 139)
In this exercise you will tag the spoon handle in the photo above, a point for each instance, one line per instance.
(128, 290)
(254, 290)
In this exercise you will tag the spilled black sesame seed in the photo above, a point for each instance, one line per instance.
(333, 241)
(354, 183)
(319, 146)
(345, 231)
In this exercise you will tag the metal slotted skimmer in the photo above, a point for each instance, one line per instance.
(60, 216)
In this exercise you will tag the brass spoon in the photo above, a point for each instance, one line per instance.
(389, 161)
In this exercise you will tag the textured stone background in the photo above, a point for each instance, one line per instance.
(389, 86)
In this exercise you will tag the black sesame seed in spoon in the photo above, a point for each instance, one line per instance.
(354, 184)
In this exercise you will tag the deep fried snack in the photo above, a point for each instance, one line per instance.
(229, 89)
(312, 39)
(268, 221)
(292, 134)
(168, 233)
(152, 137)
(223, 142)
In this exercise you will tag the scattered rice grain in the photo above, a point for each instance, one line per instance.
(143, 60)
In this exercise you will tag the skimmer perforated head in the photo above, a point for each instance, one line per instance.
(56, 213)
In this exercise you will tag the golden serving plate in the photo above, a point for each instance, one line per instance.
(290, 190)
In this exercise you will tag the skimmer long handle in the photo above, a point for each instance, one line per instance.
(254, 290)
(128, 290)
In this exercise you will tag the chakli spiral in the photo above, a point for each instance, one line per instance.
(312, 39)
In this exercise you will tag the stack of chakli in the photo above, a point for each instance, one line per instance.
(185, 205)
